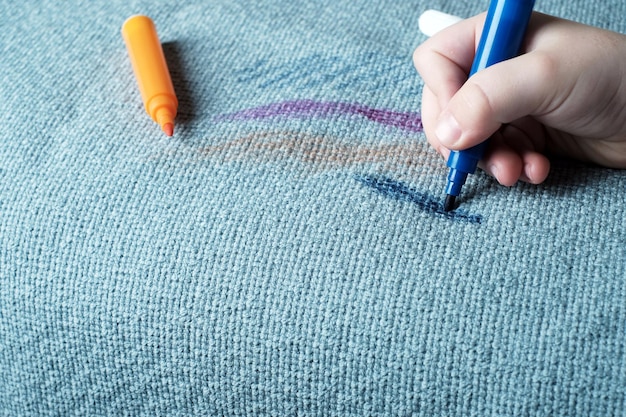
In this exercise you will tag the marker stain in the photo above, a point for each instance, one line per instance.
(399, 191)
(365, 72)
(320, 152)
(296, 109)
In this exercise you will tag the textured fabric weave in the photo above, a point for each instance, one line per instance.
(285, 253)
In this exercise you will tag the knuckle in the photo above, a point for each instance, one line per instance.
(477, 100)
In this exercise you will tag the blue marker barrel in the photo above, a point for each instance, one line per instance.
(501, 39)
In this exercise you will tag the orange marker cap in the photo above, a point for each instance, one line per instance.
(153, 77)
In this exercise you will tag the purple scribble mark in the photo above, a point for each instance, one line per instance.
(410, 121)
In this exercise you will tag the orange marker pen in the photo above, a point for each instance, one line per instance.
(153, 77)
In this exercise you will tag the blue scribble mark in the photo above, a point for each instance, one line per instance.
(365, 72)
(401, 192)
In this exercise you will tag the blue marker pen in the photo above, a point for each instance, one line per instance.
(500, 40)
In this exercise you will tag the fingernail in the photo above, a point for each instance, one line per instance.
(493, 170)
(448, 130)
(526, 172)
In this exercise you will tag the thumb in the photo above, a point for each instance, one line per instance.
(499, 94)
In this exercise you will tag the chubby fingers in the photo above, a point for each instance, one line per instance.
(514, 153)
(507, 91)
(458, 113)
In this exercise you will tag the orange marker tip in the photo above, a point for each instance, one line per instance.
(168, 128)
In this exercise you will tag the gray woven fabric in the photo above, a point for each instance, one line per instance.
(285, 252)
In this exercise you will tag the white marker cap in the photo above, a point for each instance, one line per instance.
(432, 21)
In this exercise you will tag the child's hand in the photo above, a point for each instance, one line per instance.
(565, 95)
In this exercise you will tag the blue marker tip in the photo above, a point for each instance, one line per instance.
(500, 40)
